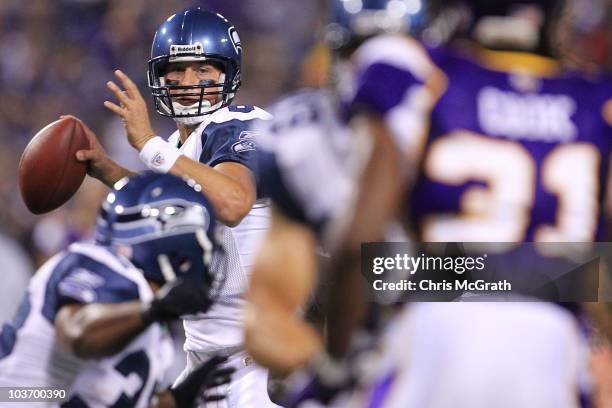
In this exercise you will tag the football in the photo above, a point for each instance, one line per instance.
(49, 173)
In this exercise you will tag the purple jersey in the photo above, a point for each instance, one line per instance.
(509, 147)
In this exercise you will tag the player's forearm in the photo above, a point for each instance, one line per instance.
(381, 189)
(230, 200)
(282, 281)
(378, 199)
(112, 173)
(292, 346)
(345, 312)
(99, 330)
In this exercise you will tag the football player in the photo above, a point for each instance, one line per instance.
(194, 74)
(315, 168)
(512, 148)
(509, 147)
(403, 90)
(91, 323)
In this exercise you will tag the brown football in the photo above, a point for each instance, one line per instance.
(49, 173)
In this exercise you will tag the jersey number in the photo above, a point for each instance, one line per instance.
(500, 210)
(134, 364)
(137, 364)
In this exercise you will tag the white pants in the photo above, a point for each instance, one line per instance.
(248, 387)
(483, 355)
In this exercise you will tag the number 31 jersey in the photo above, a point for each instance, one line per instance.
(30, 355)
(509, 147)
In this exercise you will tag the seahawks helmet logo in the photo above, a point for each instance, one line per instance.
(233, 35)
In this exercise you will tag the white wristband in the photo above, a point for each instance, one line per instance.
(159, 155)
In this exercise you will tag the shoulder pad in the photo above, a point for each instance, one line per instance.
(300, 98)
(104, 256)
(85, 274)
(399, 51)
(239, 112)
(299, 110)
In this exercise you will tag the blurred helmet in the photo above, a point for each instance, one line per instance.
(353, 21)
(503, 24)
(195, 35)
(164, 225)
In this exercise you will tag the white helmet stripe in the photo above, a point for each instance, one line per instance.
(206, 245)
(166, 268)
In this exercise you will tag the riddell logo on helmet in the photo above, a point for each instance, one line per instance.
(186, 49)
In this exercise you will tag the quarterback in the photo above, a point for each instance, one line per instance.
(194, 74)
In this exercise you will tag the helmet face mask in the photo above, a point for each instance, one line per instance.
(165, 93)
(200, 36)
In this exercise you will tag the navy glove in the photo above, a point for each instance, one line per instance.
(176, 299)
(209, 375)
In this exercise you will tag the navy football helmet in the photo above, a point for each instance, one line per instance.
(195, 34)
(352, 21)
(164, 225)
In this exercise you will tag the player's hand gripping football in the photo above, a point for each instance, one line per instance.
(176, 299)
(132, 109)
(99, 164)
(207, 376)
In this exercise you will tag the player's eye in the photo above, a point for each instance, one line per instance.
(175, 72)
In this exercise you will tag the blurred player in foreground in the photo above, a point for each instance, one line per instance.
(315, 169)
(91, 322)
(507, 147)
(194, 74)
(503, 144)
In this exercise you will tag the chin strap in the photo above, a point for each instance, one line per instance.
(191, 120)
(207, 109)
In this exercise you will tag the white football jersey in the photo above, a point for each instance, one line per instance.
(31, 357)
(310, 161)
(225, 136)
